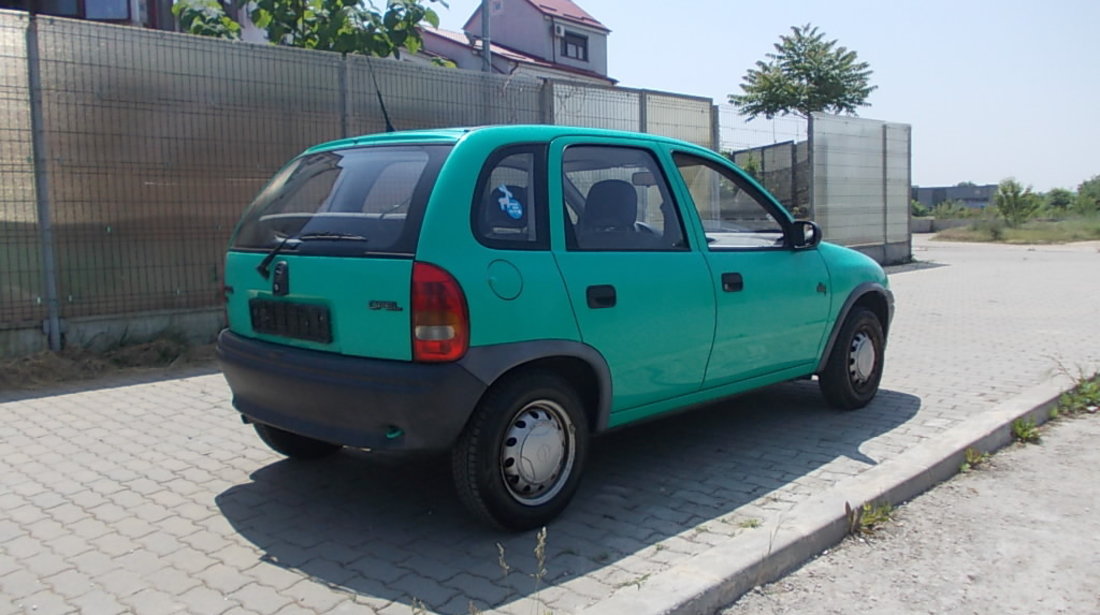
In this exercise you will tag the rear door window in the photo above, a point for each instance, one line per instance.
(509, 209)
(357, 201)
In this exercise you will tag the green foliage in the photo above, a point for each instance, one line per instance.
(992, 226)
(1059, 200)
(1088, 196)
(344, 26)
(751, 165)
(1082, 398)
(1015, 203)
(1073, 228)
(1025, 430)
(918, 209)
(805, 74)
(952, 209)
(867, 518)
(972, 459)
(205, 18)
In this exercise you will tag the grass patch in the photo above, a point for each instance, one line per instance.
(1033, 232)
(867, 518)
(1026, 431)
(1081, 399)
(972, 459)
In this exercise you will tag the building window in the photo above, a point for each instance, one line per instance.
(99, 10)
(574, 46)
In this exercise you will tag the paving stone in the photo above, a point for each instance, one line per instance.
(260, 598)
(153, 602)
(205, 600)
(45, 603)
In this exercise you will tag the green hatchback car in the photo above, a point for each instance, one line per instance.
(505, 293)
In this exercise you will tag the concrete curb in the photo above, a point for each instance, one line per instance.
(719, 576)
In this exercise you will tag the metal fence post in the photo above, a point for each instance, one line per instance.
(811, 171)
(344, 96)
(52, 325)
(885, 191)
(715, 129)
(546, 100)
(643, 111)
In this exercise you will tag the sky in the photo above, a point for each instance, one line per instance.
(992, 89)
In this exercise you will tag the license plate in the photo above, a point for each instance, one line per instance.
(297, 320)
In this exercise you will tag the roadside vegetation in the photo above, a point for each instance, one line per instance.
(1020, 216)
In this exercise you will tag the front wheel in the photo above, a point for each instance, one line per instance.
(852, 373)
(293, 445)
(518, 462)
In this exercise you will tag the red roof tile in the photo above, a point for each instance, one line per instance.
(566, 9)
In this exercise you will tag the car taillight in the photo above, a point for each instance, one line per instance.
(440, 320)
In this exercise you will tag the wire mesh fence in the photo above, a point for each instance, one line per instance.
(20, 264)
(155, 141)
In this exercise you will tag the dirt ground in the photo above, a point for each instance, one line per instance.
(1019, 534)
(48, 368)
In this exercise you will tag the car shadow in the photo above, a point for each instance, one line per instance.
(392, 529)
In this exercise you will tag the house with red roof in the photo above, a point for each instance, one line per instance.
(542, 38)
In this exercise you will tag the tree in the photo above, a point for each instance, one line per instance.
(345, 26)
(206, 18)
(1059, 199)
(1015, 203)
(806, 74)
(1088, 195)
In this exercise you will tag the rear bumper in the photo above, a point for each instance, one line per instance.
(365, 403)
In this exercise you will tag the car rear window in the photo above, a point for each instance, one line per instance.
(358, 201)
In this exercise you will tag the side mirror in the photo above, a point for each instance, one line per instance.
(805, 234)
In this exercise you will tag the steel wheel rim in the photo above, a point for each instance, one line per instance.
(862, 358)
(537, 452)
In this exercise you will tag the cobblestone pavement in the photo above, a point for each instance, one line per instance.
(152, 497)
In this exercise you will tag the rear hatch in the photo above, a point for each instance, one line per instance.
(323, 258)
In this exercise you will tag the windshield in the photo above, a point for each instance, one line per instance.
(344, 202)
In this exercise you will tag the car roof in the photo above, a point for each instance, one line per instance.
(505, 133)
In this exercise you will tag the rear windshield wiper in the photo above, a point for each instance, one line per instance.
(325, 235)
(331, 235)
(262, 267)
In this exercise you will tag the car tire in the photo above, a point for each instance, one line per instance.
(293, 445)
(852, 373)
(519, 459)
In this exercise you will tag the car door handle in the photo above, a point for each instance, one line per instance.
(732, 282)
(600, 296)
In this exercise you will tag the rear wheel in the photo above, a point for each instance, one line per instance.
(852, 373)
(518, 462)
(293, 445)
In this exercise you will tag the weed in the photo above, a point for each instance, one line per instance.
(636, 582)
(504, 567)
(1025, 430)
(867, 518)
(749, 524)
(540, 567)
(1083, 398)
(973, 458)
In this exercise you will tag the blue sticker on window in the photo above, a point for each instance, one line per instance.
(509, 204)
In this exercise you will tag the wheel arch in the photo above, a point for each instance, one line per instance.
(579, 363)
(870, 295)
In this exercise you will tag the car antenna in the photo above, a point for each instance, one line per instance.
(378, 92)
